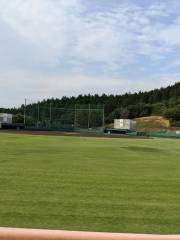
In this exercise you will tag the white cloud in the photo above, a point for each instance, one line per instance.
(176, 62)
(44, 42)
(62, 29)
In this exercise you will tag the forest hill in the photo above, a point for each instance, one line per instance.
(162, 102)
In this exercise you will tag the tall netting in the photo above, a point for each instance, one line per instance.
(48, 115)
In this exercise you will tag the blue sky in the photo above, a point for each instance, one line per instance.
(52, 48)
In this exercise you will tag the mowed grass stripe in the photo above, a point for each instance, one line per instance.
(92, 184)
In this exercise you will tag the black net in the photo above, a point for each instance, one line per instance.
(69, 117)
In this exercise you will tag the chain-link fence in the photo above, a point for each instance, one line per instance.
(166, 134)
(78, 117)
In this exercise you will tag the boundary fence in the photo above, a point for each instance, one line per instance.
(50, 116)
(165, 134)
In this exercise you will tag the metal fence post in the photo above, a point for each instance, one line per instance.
(103, 120)
(50, 115)
(38, 115)
(75, 116)
(89, 116)
(25, 112)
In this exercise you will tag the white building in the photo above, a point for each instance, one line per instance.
(5, 118)
(127, 124)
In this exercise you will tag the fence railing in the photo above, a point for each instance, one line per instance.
(32, 234)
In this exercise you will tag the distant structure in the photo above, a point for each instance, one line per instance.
(124, 124)
(6, 122)
(5, 118)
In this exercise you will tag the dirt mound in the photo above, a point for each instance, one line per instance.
(152, 123)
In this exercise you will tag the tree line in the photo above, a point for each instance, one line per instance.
(163, 102)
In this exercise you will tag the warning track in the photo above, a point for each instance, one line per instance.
(73, 134)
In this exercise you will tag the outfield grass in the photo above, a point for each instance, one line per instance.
(115, 185)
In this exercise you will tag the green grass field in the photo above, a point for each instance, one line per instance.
(114, 185)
